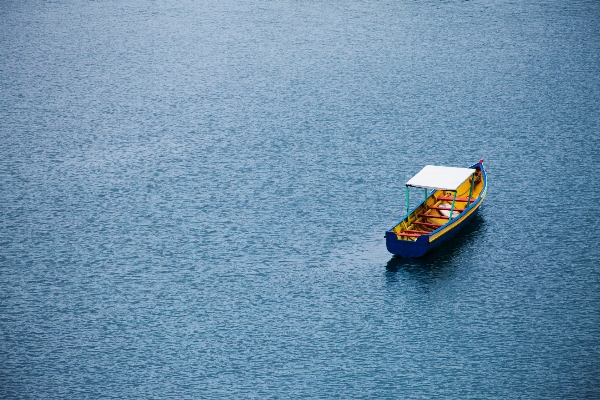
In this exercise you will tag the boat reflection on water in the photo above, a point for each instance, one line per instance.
(441, 262)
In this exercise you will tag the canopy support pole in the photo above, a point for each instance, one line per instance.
(452, 208)
(470, 191)
(425, 201)
(407, 202)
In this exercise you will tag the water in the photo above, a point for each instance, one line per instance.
(194, 196)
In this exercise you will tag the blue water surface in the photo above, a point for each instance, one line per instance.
(193, 197)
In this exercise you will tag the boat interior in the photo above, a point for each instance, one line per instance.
(435, 212)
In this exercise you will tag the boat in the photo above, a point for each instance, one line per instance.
(451, 198)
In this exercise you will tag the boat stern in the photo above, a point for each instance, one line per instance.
(406, 248)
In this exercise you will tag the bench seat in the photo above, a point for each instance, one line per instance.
(448, 198)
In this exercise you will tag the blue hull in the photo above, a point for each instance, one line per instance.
(426, 243)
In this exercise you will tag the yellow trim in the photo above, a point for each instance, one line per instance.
(461, 219)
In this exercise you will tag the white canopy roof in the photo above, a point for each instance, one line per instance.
(441, 178)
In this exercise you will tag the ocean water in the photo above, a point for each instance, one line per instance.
(193, 197)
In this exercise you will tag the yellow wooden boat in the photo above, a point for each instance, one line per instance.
(456, 195)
